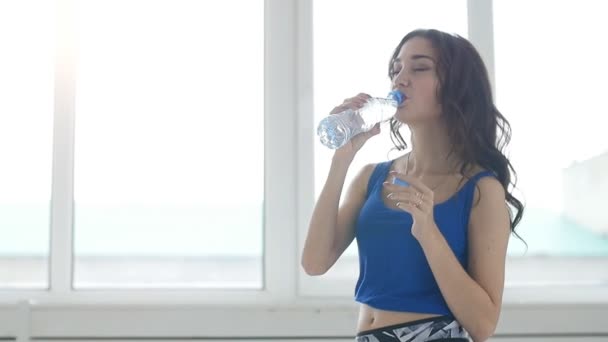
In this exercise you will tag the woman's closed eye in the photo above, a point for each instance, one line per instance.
(419, 69)
(422, 69)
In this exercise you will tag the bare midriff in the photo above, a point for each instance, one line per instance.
(372, 318)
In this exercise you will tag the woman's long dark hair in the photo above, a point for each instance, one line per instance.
(478, 131)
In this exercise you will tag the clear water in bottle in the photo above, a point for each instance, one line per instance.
(336, 130)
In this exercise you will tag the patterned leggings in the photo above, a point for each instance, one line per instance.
(444, 328)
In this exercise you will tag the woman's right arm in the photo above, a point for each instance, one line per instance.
(332, 226)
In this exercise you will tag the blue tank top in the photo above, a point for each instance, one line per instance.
(393, 271)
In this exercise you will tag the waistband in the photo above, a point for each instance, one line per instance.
(427, 329)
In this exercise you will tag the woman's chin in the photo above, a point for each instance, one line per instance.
(408, 117)
(403, 116)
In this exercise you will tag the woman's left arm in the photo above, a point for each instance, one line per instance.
(475, 297)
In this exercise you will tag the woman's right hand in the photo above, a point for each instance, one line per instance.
(354, 145)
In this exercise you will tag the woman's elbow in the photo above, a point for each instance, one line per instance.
(313, 268)
(316, 263)
(481, 336)
(484, 330)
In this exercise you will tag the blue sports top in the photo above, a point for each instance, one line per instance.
(393, 271)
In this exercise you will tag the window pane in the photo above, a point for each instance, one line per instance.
(169, 144)
(550, 83)
(27, 37)
(562, 102)
(353, 57)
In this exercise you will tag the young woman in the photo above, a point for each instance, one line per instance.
(432, 226)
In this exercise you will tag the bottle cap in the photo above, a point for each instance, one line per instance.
(397, 96)
(400, 182)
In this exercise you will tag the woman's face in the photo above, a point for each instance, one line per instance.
(415, 74)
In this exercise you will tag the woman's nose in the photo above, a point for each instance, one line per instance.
(401, 80)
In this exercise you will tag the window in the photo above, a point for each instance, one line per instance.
(553, 113)
(169, 145)
(352, 57)
(549, 84)
(26, 128)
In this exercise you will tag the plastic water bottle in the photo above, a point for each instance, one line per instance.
(337, 129)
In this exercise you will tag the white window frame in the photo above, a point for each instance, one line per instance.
(286, 307)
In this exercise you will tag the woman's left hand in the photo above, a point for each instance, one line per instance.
(418, 200)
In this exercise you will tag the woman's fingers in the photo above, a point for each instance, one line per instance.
(414, 182)
(408, 195)
(353, 103)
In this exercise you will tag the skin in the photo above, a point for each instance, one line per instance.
(474, 294)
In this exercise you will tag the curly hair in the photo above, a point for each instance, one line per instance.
(478, 132)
